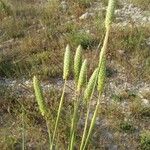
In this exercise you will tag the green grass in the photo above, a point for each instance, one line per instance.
(127, 127)
(40, 30)
(145, 140)
(35, 128)
(32, 42)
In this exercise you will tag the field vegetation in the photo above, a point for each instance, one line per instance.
(43, 39)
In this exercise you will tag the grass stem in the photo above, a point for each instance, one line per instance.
(58, 115)
(85, 128)
(92, 123)
(74, 121)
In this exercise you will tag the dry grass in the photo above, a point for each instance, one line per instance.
(40, 30)
(32, 41)
(144, 5)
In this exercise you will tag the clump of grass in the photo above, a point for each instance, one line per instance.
(127, 127)
(81, 38)
(80, 83)
(101, 66)
(13, 29)
(145, 140)
(66, 73)
(145, 112)
(5, 9)
(80, 73)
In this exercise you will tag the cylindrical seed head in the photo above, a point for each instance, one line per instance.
(82, 76)
(77, 63)
(67, 63)
(110, 13)
(91, 85)
(102, 76)
(39, 97)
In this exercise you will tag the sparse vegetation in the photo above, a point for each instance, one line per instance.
(126, 126)
(145, 140)
(145, 5)
(33, 36)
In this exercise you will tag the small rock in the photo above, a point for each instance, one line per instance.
(86, 16)
(64, 5)
(145, 92)
(109, 136)
(144, 19)
(27, 82)
(113, 147)
(148, 41)
(145, 102)
(121, 52)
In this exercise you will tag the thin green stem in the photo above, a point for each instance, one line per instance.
(85, 127)
(48, 130)
(87, 116)
(72, 140)
(92, 123)
(74, 121)
(58, 115)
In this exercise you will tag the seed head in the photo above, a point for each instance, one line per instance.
(67, 63)
(110, 12)
(77, 63)
(101, 76)
(82, 76)
(91, 85)
(39, 96)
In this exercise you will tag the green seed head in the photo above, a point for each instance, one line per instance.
(110, 12)
(91, 85)
(82, 76)
(67, 63)
(39, 97)
(101, 76)
(77, 63)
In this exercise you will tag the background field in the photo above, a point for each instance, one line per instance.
(33, 37)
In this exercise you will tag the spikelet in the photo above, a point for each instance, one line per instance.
(82, 76)
(39, 97)
(110, 12)
(101, 76)
(91, 85)
(67, 63)
(77, 63)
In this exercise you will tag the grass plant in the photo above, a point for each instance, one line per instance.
(101, 70)
(42, 105)
(33, 35)
(66, 73)
(80, 73)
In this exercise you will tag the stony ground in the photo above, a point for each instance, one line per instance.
(119, 92)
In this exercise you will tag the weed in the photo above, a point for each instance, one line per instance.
(5, 9)
(36, 37)
(116, 97)
(145, 112)
(84, 39)
(145, 140)
(127, 127)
